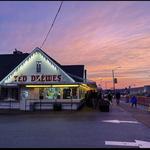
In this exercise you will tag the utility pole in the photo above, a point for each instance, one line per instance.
(113, 79)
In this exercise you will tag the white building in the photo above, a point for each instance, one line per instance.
(37, 81)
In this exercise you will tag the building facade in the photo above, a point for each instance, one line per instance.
(37, 81)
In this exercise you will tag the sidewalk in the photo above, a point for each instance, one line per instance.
(140, 113)
(140, 107)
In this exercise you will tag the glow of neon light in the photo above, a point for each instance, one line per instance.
(59, 86)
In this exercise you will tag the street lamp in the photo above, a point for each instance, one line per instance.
(114, 79)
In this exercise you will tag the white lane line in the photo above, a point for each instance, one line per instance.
(138, 143)
(120, 121)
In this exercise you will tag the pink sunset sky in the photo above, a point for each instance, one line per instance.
(101, 35)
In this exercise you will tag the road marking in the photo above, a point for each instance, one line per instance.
(138, 143)
(119, 121)
(143, 144)
(120, 143)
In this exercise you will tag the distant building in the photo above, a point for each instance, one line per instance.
(37, 81)
(137, 91)
(141, 91)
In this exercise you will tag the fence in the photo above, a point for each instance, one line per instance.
(144, 100)
(9, 105)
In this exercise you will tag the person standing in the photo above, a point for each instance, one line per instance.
(109, 97)
(134, 101)
(127, 98)
(118, 98)
(99, 98)
(94, 99)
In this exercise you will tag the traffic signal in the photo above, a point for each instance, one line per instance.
(115, 80)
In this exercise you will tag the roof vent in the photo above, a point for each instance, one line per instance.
(17, 52)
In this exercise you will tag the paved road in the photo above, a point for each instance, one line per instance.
(82, 128)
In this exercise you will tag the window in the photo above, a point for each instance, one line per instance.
(67, 93)
(38, 66)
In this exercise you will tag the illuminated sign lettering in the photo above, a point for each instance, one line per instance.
(35, 78)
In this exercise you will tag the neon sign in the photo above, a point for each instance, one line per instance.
(35, 78)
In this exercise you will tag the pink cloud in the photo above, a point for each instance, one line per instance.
(99, 36)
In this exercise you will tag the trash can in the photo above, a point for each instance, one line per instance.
(104, 105)
(57, 106)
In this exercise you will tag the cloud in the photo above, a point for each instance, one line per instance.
(100, 35)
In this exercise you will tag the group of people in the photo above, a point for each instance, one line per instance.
(93, 98)
(117, 96)
(132, 99)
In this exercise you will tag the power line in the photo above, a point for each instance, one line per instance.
(52, 25)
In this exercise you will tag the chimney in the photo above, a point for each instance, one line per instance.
(16, 52)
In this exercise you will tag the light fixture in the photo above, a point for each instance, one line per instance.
(53, 86)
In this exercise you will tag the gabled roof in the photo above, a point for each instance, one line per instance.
(58, 64)
(75, 71)
(9, 62)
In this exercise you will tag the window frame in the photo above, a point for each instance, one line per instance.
(38, 66)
